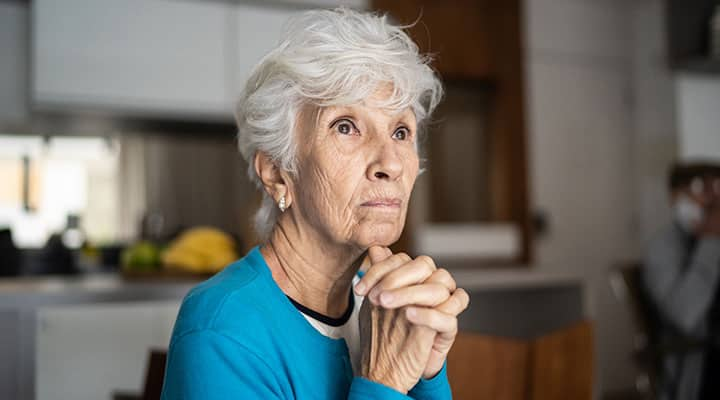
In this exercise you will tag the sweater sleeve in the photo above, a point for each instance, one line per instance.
(208, 365)
(682, 294)
(435, 388)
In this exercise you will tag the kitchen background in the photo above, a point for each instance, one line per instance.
(116, 137)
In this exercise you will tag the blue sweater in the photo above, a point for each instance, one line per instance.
(237, 336)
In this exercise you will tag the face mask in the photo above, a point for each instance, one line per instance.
(687, 213)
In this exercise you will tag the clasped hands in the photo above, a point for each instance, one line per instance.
(408, 321)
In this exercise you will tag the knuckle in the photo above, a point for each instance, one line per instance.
(427, 261)
(440, 293)
(457, 303)
(399, 259)
(440, 289)
(389, 281)
(437, 319)
(402, 256)
(464, 297)
(445, 276)
(370, 276)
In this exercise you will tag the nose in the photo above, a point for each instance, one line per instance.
(386, 165)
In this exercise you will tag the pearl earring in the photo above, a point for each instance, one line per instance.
(281, 204)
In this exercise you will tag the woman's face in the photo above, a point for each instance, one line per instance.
(356, 168)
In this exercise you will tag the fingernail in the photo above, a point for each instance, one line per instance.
(360, 288)
(386, 298)
(411, 312)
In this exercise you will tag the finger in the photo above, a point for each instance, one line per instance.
(365, 264)
(412, 273)
(443, 277)
(426, 294)
(456, 304)
(378, 254)
(438, 321)
(376, 271)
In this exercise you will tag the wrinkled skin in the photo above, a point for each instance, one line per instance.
(394, 351)
(356, 167)
(354, 155)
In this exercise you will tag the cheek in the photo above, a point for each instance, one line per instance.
(327, 191)
(411, 168)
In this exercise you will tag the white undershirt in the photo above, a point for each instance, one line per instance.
(350, 330)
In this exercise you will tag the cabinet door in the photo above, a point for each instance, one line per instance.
(136, 56)
(89, 351)
(457, 33)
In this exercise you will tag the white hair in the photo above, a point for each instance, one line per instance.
(327, 58)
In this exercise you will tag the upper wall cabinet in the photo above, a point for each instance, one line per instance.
(257, 30)
(688, 34)
(138, 56)
(176, 59)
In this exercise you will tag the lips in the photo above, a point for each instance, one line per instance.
(383, 202)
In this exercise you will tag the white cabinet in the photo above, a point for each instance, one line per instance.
(257, 30)
(88, 351)
(165, 57)
(178, 59)
(698, 102)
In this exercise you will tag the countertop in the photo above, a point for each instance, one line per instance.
(481, 279)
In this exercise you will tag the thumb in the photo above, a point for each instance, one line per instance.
(378, 254)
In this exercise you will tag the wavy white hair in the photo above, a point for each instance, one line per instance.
(327, 58)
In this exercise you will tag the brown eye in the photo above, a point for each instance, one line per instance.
(401, 134)
(345, 127)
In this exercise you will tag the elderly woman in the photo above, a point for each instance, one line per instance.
(329, 123)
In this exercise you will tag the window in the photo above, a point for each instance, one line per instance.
(47, 180)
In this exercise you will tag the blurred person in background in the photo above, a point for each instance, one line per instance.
(329, 122)
(681, 275)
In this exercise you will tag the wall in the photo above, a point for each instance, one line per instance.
(14, 63)
(195, 180)
(654, 122)
(578, 69)
(602, 135)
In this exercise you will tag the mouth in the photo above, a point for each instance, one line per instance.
(383, 203)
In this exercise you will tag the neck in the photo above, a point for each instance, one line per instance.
(310, 269)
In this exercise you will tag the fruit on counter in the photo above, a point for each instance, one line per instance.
(141, 257)
(200, 250)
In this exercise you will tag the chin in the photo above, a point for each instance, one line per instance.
(379, 234)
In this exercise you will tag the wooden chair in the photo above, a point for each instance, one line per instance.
(154, 376)
(650, 348)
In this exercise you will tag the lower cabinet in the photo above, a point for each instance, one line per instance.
(555, 366)
(90, 351)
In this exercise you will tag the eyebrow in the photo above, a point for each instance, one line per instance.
(401, 118)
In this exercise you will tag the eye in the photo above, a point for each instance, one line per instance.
(401, 133)
(344, 127)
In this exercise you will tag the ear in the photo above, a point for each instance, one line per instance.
(274, 180)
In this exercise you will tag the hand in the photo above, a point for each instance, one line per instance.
(443, 320)
(710, 225)
(394, 351)
(421, 284)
